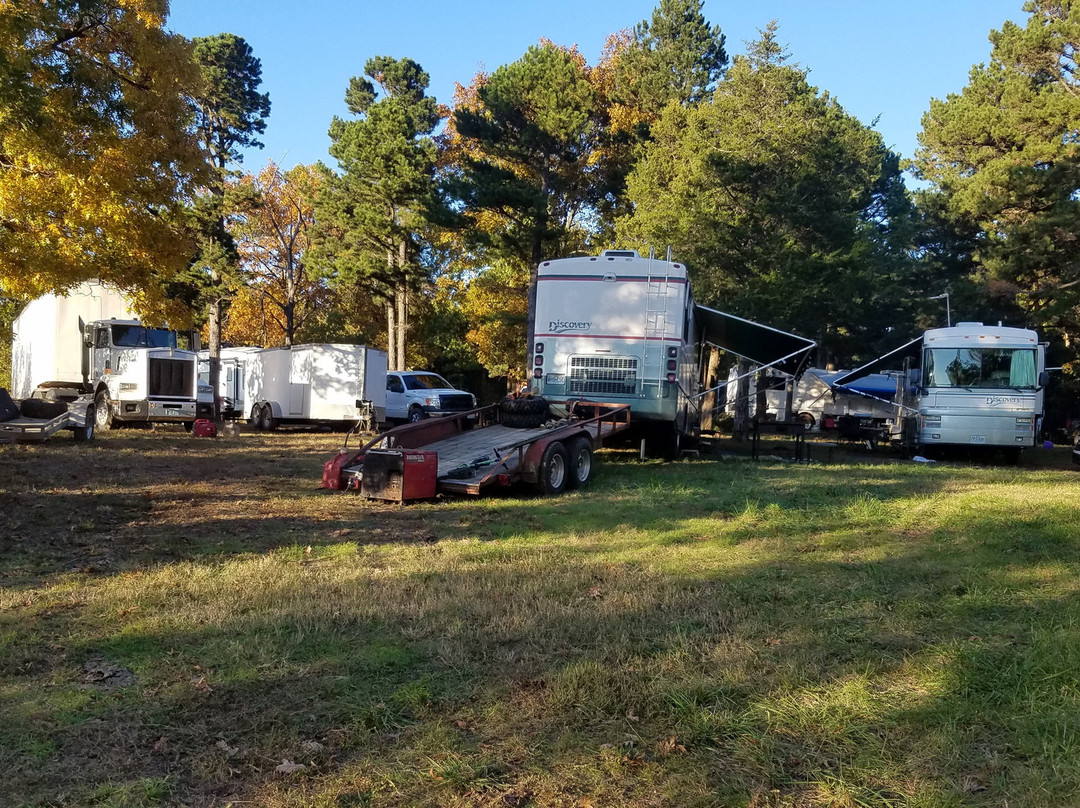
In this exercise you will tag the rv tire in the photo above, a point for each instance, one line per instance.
(256, 417)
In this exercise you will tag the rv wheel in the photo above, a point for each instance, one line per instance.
(553, 468)
(256, 417)
(580, 462)
(102, 412)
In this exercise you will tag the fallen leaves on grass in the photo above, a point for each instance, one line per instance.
(288, 767)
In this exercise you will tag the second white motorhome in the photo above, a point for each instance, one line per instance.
(978, 386)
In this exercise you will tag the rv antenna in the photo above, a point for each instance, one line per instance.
(652, 252)
(669, 253)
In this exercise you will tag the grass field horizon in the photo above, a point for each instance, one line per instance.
(188, 622)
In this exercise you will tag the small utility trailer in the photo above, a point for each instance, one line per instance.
(76, 415)
(471, 451)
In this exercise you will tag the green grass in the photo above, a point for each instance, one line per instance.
(700, 633)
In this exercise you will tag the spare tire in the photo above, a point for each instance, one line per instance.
(39, 408)
(523, 413)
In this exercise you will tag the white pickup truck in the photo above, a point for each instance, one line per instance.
(413, 395)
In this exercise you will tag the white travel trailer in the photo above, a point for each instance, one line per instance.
(978, 385)
(872, 399)
(332, 384)
(620, 328)
(88, 342)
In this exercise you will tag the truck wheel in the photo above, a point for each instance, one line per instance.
(85, 433)
(554, 466)
(580, 462)
(415, 415)
(102, 412)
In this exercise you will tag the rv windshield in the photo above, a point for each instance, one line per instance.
(980, 367)
(138, 336)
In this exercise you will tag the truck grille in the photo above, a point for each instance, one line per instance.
(171, 378)
(455, 401)
(615, 375)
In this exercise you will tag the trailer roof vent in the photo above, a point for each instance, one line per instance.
(969, 325)
(620, 254)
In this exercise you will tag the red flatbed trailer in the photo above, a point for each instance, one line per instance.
(476, 450)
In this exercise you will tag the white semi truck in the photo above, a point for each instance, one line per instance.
(333, 384)
(625, 329)
(89, 342)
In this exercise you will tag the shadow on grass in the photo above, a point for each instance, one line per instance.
(668, 632)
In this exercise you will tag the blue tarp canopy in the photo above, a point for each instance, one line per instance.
(877, 385)
(893, 359)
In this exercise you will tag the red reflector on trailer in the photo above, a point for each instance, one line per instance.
(504, 479)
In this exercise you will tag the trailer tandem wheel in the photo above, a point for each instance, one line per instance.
(554, 465)
(580, 462)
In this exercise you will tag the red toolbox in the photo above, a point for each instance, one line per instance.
(399, 475)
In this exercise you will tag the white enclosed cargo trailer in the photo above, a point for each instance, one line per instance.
(88, 342)
(334, 384)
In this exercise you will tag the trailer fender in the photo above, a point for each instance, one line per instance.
(534, 455)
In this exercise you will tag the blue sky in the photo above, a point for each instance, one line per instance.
(879, 58)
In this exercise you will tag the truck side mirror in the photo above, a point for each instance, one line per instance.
(1044, 378)
(88, 336)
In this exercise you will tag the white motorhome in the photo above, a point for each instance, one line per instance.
(329, 383)
(981, 385)
(978, 385)
(620, 328)
(88, 341)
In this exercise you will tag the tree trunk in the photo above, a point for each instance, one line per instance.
(391, 337)
(761, 405)
(741, 430)
(289, 310)
(530, 317)
(708, 401)
(402, 299)
(215, 349)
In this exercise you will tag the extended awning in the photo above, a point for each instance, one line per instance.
(760, 344)
(890, 361)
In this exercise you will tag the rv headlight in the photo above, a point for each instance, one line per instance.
(931, 419)
(1023, 422)
(128, 386)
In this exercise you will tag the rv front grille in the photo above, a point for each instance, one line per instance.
(171, 378)
(615, 375)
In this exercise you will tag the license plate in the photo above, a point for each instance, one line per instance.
(556, 378)
(978, 438)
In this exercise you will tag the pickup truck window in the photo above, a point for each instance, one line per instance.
(394, 385)
(427, 381)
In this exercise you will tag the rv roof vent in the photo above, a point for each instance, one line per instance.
(620, 254)
(969, 325)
